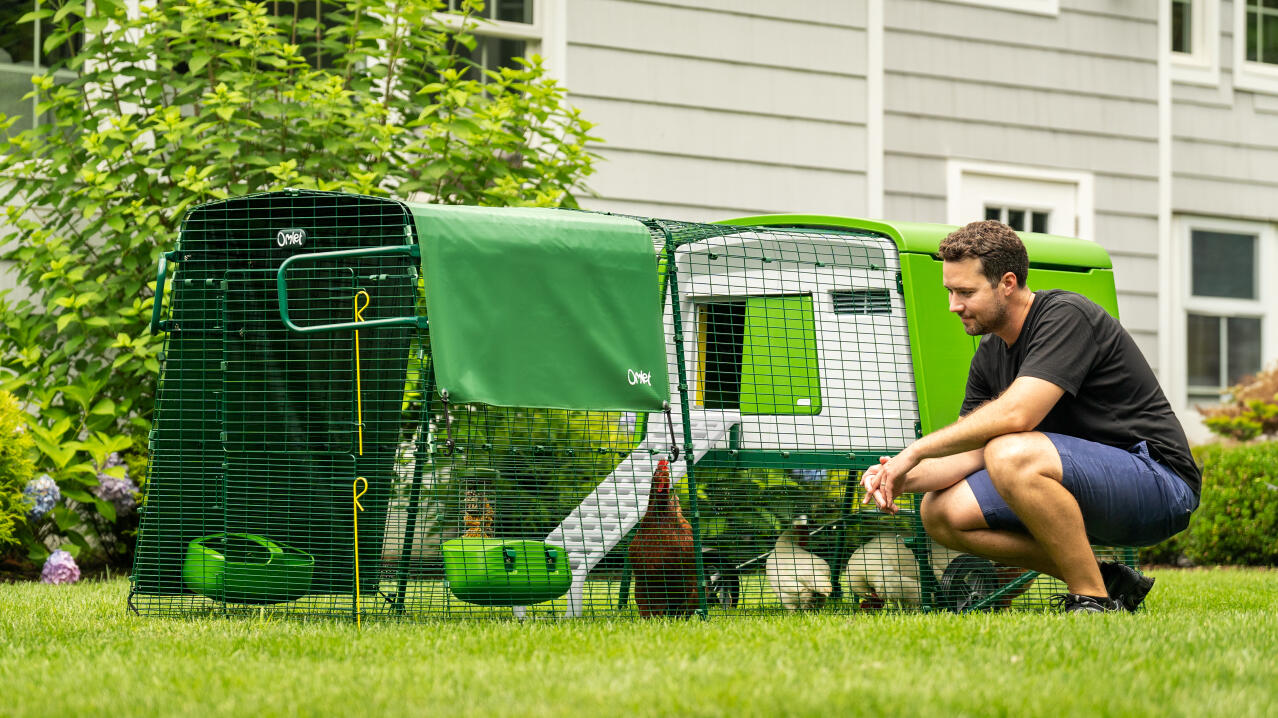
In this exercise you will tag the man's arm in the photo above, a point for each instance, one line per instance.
(1021, 408)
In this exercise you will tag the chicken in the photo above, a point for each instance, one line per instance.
(661, 554)
(800, 578)
(478, 516)
(884, 572)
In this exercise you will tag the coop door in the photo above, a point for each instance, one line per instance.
(289, 417)
(759, 355)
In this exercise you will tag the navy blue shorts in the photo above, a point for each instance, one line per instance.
(1127, 498)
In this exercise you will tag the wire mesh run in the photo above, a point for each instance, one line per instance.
(322, 473)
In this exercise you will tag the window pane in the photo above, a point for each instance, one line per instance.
(994, 213)
(1203, 350)
(1253, 35)
(515, 10)
(492, 53)
(1182, 29)
(17, 42)
(1244, 347)
(1039, 222)
(1223, 264)
(1016, 219)
(1269, 39)
(13, 85)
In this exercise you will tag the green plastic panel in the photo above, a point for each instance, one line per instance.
(1044, 249)
(940, 348)
(779, 357)
(543, 308)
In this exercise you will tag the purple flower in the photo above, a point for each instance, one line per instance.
(120, 492)
(60, 568)
(43, 494)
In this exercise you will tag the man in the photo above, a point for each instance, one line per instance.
(1064, 439)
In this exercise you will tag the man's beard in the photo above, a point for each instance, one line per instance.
(995, 323)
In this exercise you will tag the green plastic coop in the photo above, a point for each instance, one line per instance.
(371, 408)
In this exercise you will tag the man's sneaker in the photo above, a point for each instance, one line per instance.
(1078, 603)
(1125, 584)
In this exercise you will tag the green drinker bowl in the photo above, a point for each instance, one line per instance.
(505, 572)
(244, 568)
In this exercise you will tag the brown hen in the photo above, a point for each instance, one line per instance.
(661, 554)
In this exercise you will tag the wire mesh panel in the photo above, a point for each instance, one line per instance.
(311, 466)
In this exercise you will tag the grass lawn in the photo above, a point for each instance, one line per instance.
(1207, 645)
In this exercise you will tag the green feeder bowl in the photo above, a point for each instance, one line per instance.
(243, 568)
(498, 572)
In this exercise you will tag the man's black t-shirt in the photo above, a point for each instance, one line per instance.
(1111, 395)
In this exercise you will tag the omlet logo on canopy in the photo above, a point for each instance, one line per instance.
(291, 238)
(639, 377)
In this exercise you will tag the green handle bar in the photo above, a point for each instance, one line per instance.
(410, 250)
(158, 326)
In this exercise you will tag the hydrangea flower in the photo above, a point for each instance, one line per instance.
(43, 494)
(120, 492)
(60, 568)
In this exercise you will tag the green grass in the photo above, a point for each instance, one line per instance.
(1206, 645)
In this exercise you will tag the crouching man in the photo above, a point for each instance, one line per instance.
(1065, 438)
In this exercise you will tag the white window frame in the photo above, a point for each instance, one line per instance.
(1183, 303)
(1255, 76)
(1084, 194)
(1034, 7)
(545, 34)
(1201, 66)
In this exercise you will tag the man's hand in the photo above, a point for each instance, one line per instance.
(886, 480)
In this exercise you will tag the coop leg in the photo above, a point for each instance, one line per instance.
(576, 596)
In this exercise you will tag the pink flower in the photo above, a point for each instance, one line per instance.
(60, 568)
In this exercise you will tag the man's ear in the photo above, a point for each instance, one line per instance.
(1008, 283)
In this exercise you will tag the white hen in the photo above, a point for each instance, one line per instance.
(884, 571)
(800, 578)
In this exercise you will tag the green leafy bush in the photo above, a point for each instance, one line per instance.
(175, 104)
(16, 468)
(1237, 521)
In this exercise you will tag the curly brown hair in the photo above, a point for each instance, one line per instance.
(992, 242)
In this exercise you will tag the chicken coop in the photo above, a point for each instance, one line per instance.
(376, 409)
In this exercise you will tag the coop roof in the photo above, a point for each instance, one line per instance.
(543, 308)
(1045, 250)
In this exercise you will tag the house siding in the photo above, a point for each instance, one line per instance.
(1074, 92)
(714, 109)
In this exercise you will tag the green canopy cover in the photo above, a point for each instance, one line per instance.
(543, 308)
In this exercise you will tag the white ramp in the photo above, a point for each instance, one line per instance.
(604, 518)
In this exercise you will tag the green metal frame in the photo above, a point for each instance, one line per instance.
(408, 250)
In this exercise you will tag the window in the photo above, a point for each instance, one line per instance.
(1182, 26)
(1228, 322)
(511, 31)
(758, 355)
(1028, 199)
(1020, 219)
(21, 57)
(1256, 45)
(1262, 31)
(1195, 43)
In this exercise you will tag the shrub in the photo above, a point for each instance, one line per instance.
(175, 104)
(1237, 521)
(16, 468)
(1253, 411)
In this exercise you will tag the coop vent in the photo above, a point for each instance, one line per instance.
(862, 301)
